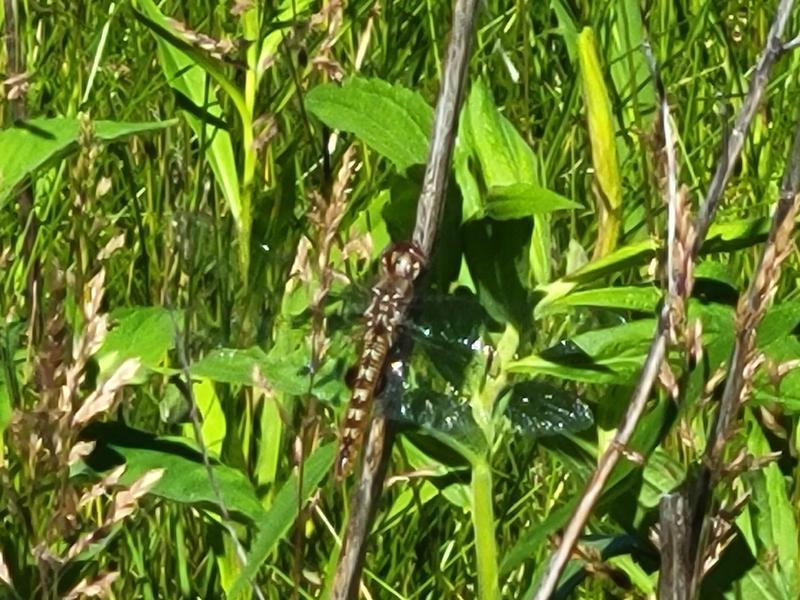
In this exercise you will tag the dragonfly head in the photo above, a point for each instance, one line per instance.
(404, 260)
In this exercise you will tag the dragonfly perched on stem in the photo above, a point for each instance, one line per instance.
(401, 264)
(444, 369)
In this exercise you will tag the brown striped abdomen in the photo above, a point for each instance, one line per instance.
(390, 298)
(371, 362)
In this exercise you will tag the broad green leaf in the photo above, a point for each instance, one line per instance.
(146, 333)
(644, 299)
(524, 200)
(616, 370)
(724, 237)
(603, 143)
(496, 255)
(390, 119)
(230, 365)
(212, 418)
(634, 254)
(274, 525)
(270, 446)
(472, 203)
(780, 321)
(28, 145)
(715, 271)
(613, 341)
(185, 479)
(662, 474)
(776, 527)
(505, 158)
(611, 355)
(285, 373)
(756, 583)
(735, 235)
(507, 163)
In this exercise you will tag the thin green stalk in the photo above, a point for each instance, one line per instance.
(250, 22)
(481, 486)
(483, 527)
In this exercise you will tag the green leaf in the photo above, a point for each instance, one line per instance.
(185, 478)
(725, 237)
(212, 418)
(286, 373)
(635, 254)
(390, 119)
(504, 157)
(780, 321)
(146, 333)
(644, 299)
(662, 474)
(274, 525)
(509, 169)
(524, 200)
(229, 365)
(775, 526)
(601, 136)
(735, 235)
(32, 144)
(610, 355)
(757, 583)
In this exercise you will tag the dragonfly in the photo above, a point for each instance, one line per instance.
(447, 332)
(401, 264)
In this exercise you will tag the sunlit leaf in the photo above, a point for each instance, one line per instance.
(602, 138)
(29, 145)
(392, 120)
(212, 417)
(186, 478)
(146, 333)
(644, 299)
(524, 200)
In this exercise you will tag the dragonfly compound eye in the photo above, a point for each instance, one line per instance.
(403, 260)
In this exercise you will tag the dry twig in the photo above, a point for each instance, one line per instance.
(379, 438)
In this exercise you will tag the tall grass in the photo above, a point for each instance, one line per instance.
(195, 197)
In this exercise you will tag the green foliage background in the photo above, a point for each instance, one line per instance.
(199, 172)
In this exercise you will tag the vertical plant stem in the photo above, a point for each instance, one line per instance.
(483, 523)
(379, 440)
(483, 527)
(250, 22)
